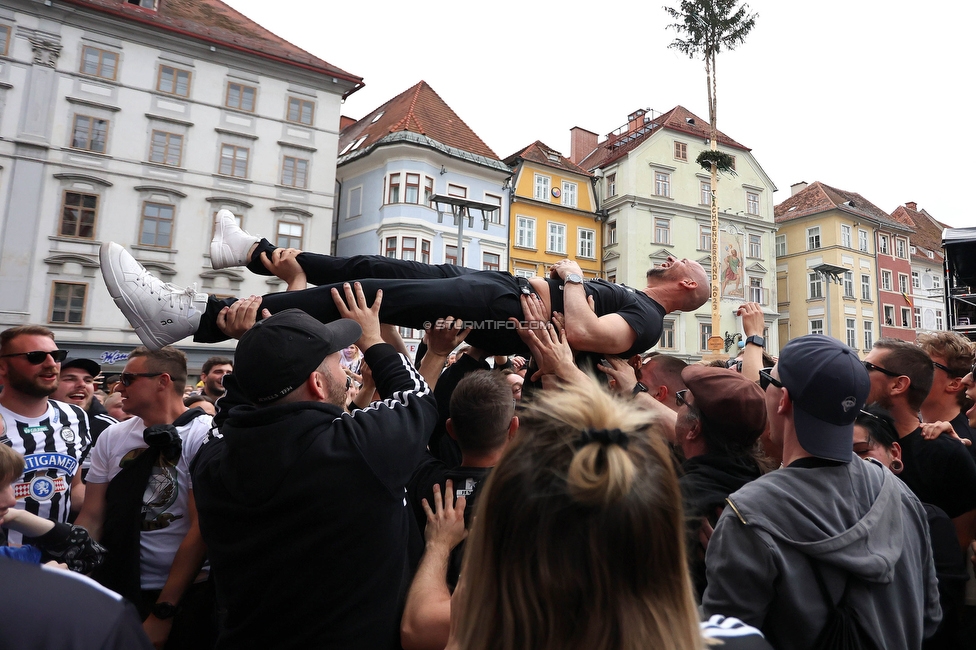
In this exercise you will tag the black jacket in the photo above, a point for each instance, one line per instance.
(303, 509)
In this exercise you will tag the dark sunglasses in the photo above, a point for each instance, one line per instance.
(870, 366)
(37, 357)
(679, 397)
(765, 379)
(128, 378)
(734, 364)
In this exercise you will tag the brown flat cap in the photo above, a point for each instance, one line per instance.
(734, 406)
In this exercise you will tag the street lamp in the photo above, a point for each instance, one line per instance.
(461, 209)
(830, 273)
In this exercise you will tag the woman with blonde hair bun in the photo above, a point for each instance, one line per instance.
(577, 541)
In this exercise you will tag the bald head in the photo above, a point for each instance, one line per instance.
(685, 280)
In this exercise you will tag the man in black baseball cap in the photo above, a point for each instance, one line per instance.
(295, 477)
(825, 512)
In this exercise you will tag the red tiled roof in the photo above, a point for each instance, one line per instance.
(678, 119)
(215, 22)
(540, 153)
(819, 197)
(419, 110)
(928, 231)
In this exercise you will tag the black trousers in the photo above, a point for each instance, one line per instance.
(413, 294)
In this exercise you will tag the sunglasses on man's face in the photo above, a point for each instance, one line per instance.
(765, 379)
(37, 357)
(129, 378)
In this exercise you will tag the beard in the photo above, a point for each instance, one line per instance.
(336, 391)
(657, 273)
(31, 386)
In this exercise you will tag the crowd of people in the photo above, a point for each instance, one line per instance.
(541, 483)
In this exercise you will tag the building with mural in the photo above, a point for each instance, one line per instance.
(656, 200)
(553, 214)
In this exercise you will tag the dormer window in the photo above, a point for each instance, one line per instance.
(145, 4)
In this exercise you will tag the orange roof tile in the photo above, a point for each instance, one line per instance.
(819, 197)
(542, 154)
(678, 119)
(214, 22)
(418, 110)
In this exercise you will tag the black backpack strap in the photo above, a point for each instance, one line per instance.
(188, 416)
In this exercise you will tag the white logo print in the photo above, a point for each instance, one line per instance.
(848, 404)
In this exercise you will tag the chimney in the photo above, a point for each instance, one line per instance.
(796, 188)
(635, 120)
(345, 121)
(581, 144)
(911, 205)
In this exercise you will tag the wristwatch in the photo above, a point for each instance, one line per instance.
(755, 339)
(574, 278)
(640, 388)
(163, 611)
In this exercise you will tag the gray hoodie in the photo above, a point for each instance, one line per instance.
(856, 518)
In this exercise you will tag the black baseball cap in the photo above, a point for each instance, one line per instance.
(87, 365)
(278, 354)
(828, 386)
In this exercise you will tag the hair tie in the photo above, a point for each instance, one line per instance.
(603, 437)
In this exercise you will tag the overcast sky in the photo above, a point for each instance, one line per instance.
(870, 96)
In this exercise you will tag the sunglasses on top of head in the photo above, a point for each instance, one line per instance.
(37, 357)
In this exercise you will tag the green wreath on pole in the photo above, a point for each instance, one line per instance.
(723, 162)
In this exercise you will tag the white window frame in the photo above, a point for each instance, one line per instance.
(555, 237)
(662, 184)
(586, 243)
(662, 226)
(704, 333)
(816, 326)
(667, 340)
(542, 184)
(901, 248)
(916, 280)
(524, 232)
(862, 240)
(851, 327)
(813, 238)
(781, 249)
(569, 197)
(884, 245)
(611, 185)
(846, 239)
(752, 204)
(887, 280)
(866, 287)
(705, 193)
(704, 237)
(611, 233)
(755, 246)
(849, 284)
(868, 334)
(902, 283)
(814, 286)
(354, 202)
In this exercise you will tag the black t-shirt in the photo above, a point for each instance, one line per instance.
(960, 424)
(644, 315)
(467, 481)
(940, 472)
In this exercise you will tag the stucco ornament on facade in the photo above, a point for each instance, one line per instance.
(46, 51)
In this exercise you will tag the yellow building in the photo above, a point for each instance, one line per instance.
(836, 253)
(552, 214)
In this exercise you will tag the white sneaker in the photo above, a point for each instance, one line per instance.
(160, 313)
(230, 244)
